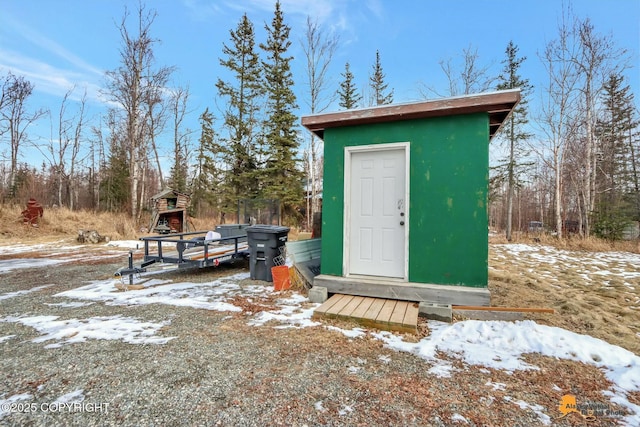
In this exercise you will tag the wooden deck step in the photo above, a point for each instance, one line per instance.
(384, 314)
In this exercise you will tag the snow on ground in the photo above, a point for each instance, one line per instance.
(208, 296)
(138, 244)
(127, 244)
(18, 248)
(6, 338)
(459, 418)
(351, 333)
(291, 315)
(71, 331)
(5, 403)
(73, 397)
(74, 304)
(18, 293)
(495, 344)
(621, 265)
(8, 265)
(501, 345)
(48, 254)
(544, 418)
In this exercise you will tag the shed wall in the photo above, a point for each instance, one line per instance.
(449, 161)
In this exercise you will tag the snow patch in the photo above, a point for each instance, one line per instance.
(68, 304)
(6, 338)
(73, 397)
(24, 292)
(496, 386)
(350, 333)
(459, 418)
(5, 403)
(544, 418)
(72, 331)
(384, 359)
(441, 369)
(208, 296)
(345, 410)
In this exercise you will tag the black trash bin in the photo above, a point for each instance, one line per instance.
(232, 230)
(265, 242)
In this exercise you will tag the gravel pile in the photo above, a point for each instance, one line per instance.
(217, 370)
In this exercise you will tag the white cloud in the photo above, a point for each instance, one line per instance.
(50, 77)
(47, 44)
(202, 10)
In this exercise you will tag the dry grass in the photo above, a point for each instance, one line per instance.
(592, 293)
(62, 223)
(573, 243)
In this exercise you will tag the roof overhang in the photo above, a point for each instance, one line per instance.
(497, 104)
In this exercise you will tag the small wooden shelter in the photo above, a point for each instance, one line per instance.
(404, 212)
(169, 212)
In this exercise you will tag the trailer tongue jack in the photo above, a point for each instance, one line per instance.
(130, 271)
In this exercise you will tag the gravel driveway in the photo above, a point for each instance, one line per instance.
(204, 367)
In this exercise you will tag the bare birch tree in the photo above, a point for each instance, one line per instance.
(319, 48)
(559, 108)
(463, 78)
(594, 63)
(74, 190)
(63, 152)
(156, 121)
(178, 110)
(15, 118)
(133, 87)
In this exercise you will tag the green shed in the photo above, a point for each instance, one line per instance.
(404, 212)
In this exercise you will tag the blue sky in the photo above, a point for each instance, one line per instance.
(61, 43)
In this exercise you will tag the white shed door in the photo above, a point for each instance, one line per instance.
(377, 213)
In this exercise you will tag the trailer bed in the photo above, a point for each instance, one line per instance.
(194, 249)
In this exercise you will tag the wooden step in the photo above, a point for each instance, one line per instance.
(384, 314)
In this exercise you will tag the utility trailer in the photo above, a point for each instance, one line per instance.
(196, 249)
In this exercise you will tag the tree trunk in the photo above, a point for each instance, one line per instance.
(589, 199)
(15, 144)
(634, 168)
(314, 193)
(135, 182)
(558, 192)
(511, 181)
(143, 190)
(60, 203)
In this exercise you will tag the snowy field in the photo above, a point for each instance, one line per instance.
(484, 344)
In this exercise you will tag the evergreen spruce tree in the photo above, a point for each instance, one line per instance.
(179, 170)
(243, 94)
(513, 130)
(114, 188)
(618, 169)
(282, 175)
(614, 130)
(378, 86)
(349, 97)
(207, 180)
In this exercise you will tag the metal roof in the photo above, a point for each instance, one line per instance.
(168, 192)
(497, 104)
